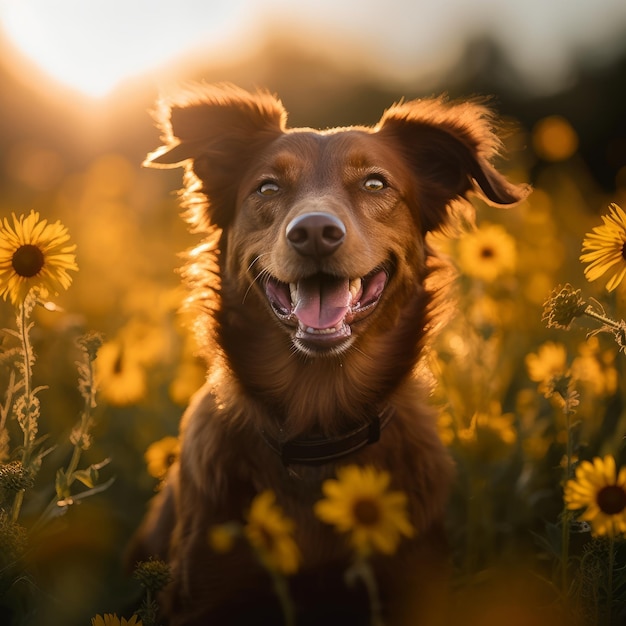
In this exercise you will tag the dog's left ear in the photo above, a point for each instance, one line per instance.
(450, 147)
(218, 121)
(215, 132)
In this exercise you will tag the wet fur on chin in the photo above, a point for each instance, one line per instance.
(431, 155)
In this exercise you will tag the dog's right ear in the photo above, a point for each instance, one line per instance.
(450, 147)
(215, 121)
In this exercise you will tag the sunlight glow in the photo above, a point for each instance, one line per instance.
(94, 45)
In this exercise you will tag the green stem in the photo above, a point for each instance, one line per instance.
(73, 464)
(147, 618)
(362, 569)
(369, 579)
(565, 554)
(17, 505)
(611, 566)
(26, 427)
(6, 408)
(85, 420)
(76, 452)
(27, 384)
(569, 445)
(601, 318)
(565, 530)
(282, 592)
(478, 539)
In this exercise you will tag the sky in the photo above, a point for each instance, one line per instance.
(93, 45)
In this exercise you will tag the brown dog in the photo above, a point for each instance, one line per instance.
(317, 291)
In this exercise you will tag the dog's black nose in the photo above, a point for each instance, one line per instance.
(315, 234)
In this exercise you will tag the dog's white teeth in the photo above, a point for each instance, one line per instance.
(355, 287)
(321, 331)
(293, 291)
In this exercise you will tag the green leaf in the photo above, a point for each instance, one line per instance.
(88, 476)
(62, 484)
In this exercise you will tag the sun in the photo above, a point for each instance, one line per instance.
(94, 46)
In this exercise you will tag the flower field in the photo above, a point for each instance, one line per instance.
(97, 364)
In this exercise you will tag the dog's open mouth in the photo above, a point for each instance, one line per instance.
(322, 307)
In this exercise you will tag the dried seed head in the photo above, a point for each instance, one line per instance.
(563, 306)
(15, 477)
(152, 574)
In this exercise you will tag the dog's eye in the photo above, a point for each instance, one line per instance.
(374, 183)
(268, 188)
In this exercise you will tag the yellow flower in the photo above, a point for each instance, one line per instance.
(535, 446)
(222, 538)
(190, 376)
(489, 436)
(602, 494)
(604, 248)
(160, 455)
(121, 379)
(149, 341)
(34, 254)
(595, 369)
(360, 503)
(270, 534)
(550, 360)
(487, 253)
(113, 620)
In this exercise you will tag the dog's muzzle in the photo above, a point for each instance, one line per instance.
(322, 307)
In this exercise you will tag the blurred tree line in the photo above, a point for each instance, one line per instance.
(317, 92)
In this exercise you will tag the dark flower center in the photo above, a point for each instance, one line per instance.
(487, 253)
(366, 512)
(268, 540)
(611, 499)
(118, 365)
(624, 251)
(27, 261)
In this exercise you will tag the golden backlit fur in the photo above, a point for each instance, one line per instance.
(248, 180)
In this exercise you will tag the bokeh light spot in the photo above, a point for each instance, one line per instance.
(554, 138)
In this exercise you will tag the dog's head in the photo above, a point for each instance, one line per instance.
(327, 225)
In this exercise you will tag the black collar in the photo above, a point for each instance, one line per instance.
(318, 450)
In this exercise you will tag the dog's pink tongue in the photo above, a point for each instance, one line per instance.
(322, 301)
